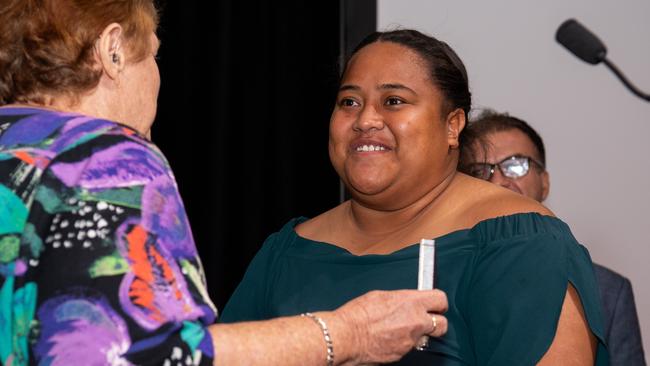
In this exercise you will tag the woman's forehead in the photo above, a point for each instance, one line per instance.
(387, 63)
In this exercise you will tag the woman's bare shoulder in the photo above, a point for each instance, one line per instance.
(489, 200)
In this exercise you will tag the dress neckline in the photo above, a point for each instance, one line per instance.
(409, 250)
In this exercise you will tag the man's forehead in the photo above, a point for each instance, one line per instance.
(503, 144)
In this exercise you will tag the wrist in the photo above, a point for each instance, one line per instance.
(322, 324)
(345, 339)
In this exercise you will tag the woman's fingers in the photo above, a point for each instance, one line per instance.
(434, 301)
(390, 323)
(438, 325)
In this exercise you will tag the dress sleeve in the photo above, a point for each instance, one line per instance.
(518, 287)
(249, 300)
(109, 271)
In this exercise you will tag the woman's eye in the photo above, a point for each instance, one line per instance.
(394, 101)
(347, 102)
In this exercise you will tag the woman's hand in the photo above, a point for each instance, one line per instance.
(382, 326)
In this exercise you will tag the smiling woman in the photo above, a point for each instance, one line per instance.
(393, 108)
(510, 269)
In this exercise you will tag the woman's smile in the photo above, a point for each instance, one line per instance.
(366, 145)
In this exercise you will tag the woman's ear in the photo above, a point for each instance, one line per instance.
(455, 124)
(109, 50)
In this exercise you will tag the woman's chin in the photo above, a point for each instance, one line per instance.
(368, 180)
(367, 187)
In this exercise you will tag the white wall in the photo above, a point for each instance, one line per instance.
(596, 132)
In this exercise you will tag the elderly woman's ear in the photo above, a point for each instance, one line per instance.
(455, 124)
(109, 50)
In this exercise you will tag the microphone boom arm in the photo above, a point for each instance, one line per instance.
(625, 81)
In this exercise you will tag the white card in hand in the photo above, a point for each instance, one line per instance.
(427, 264)
(425, 276)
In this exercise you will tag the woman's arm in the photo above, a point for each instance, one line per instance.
(378, 327)
(574, 343)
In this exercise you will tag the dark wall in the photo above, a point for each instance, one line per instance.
(247, 90)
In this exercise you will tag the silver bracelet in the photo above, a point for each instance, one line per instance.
(326, 334)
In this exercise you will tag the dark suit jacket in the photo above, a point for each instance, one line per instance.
(622, 332)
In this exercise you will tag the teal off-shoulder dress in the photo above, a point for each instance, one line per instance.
(505, 279)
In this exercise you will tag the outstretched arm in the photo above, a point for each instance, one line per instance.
(378, 327)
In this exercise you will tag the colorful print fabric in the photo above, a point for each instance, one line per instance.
(97, 261)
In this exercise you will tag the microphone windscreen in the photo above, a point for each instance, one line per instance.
(581, 42)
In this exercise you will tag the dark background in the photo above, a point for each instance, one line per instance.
(247, 91)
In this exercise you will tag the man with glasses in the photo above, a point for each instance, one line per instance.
(506, 151)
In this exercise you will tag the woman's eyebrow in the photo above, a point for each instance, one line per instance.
(346, 87)
(395, 86)
(388, 86)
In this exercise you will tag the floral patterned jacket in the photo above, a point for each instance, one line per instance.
(97, 260)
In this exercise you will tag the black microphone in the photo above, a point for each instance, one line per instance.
(581, 42)
(587, 47)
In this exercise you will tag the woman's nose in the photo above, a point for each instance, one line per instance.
(368, 120)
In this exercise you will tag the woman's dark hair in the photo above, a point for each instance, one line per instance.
(446, 70)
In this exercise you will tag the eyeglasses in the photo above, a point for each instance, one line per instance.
(514, 167)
